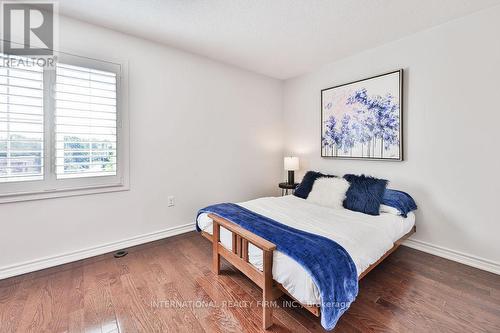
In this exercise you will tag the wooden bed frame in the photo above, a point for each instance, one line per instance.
(238, 257)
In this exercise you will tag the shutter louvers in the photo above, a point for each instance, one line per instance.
(86, 122)
(21, 120)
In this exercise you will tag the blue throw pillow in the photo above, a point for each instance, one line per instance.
(306, 185)
(400, 200)
(365, 194)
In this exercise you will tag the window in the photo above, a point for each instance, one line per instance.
(61, 128)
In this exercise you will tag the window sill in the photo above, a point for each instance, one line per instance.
(60, 193)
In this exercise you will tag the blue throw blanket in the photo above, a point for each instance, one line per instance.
(328, 263)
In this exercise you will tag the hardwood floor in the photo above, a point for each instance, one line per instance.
(167, 286)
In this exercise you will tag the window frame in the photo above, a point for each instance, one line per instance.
(50, 186)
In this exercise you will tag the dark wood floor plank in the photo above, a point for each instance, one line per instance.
(365, 318)
(479, 277)
(251, 306)
(410, 291)
(211, 318)
(457, 281)
(215, 288)
(411, 278)
(141, 296)
(438, 297)
(97, 300)
(181, 317)
(13, 298)
(198, 255)
(255, 295)
(34, 317)
(124, 312)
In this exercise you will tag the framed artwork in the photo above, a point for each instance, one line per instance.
(364, 119)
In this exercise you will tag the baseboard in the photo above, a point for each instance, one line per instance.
(466, 259)
(38, 264)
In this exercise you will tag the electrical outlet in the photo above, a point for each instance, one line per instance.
(170, 201)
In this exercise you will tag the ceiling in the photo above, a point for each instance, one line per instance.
(278, 38)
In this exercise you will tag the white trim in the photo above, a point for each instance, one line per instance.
(30, 196)
(466, 259)
(42, 263)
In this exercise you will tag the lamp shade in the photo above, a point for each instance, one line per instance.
(291, 163)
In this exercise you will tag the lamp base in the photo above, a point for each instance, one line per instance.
(291, 177)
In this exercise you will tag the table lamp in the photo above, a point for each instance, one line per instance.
(291, 163)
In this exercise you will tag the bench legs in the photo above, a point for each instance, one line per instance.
(267, 291)
(215, 249)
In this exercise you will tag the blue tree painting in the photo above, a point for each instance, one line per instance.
(363, 119)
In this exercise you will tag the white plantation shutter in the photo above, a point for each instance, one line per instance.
(63, 127)
(85, 122)
(21, 121)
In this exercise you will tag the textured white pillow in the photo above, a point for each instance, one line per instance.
(329, 192)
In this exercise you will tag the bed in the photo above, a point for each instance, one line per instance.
(367, 239)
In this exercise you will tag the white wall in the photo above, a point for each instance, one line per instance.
(216, 134)
(451, 130)
(200, 130)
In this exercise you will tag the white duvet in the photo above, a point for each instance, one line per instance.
(366, 238)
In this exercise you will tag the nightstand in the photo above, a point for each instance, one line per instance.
(285, 187)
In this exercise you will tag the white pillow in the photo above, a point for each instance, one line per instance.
(329, 192)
